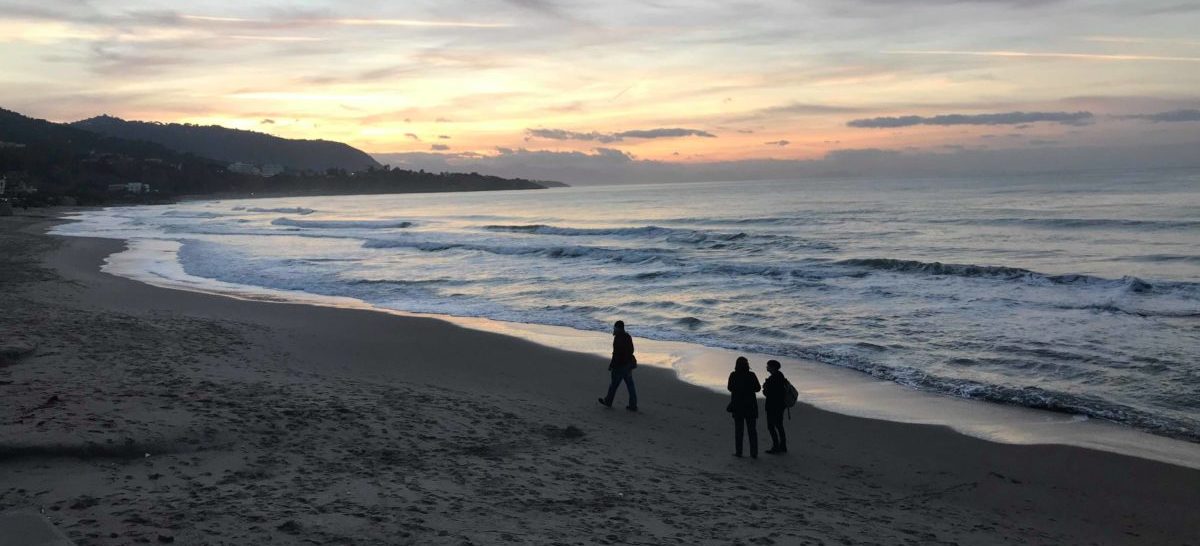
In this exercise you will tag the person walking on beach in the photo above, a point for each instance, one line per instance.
(743, 404)
(621, 367)
(775, 389)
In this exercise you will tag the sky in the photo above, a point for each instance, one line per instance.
(531, 86)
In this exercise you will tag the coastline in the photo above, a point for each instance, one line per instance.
(842, 390)
(279, 421)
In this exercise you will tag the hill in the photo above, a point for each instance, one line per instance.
(60, 160)
(235, 145)
(45, 161)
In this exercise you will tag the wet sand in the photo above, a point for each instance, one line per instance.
(133, 413)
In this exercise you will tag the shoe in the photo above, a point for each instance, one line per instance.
(603, 403)
(631, 408)
(774, 451)
(753, 455)
(737, 455)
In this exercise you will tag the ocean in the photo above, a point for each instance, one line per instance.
(1073, 293)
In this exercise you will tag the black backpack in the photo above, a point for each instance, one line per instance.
(791, 396)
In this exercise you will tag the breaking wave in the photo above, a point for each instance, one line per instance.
(191, 214)
(671, 234)
(281, 210)
(1027, 396)
(342, 224)
(614, 255)
(543, 229)
(1131, 284)
(674, 235)
(1075, 223)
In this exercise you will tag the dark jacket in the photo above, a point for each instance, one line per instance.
(742, 386)
(622, 356)
(775, 390)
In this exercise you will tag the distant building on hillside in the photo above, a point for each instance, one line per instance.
(13, 184)
(270, 169)
(244, 168)
(129, 187)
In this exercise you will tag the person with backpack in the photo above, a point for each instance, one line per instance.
(780, 395)
(621, 367)
(743, 404)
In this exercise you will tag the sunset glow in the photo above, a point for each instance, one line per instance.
(775, 80)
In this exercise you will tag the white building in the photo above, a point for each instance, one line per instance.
(270, 169)
(244, 168)
(130, 187)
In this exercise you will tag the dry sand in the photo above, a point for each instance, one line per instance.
(135, 414)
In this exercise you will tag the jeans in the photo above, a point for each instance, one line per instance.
(775, 427)
(745, 424)
(619, 375)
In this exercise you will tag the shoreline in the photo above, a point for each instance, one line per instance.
(282, 422)
(829, 387)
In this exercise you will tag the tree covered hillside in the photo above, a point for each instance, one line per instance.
(235, 145)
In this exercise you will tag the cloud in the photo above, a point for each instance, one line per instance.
(543, 7)
(439, 147)
(262, 38)
(413, 136)
(665, 133)
(594, 136)
(779, 143)
(1149, 8)
(851, 155)
(267, 121)
(1045, 54)
(802, 109)
(384, 73)
(613, 153)
(563, 134)
(89, 21)
(444, 137)
(1190, 114)
(612, 166)
(300, 19)
(286, 95)
(1018, 3)
(122, 59)
(1006, 118)
(422, 63)
(1139, 40)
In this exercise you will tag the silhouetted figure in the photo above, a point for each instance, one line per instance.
(743, 404)
(621, 367)
(775, 389)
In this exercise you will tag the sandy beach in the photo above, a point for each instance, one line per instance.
(136, 414)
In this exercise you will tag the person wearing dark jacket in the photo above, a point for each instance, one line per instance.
(621, 367)
(743, 404)
(775, 391)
